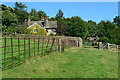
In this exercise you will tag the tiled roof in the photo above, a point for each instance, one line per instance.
(51, 24)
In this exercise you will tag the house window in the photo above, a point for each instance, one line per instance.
(35, 31)
(53, 30)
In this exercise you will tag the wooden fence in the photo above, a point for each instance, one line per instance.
(114, 47)
(110, 47)
(18, 48)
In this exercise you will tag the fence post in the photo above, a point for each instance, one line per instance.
(24, 51)
(52, 45)
(19, 48)
(5, 52)
(34, 46)
(38, 44)
(59, 45)
(47, 44)
(108, 46)
(99, 45)
(117, 48)
(80, 42)
(29, 46)
(62, 46)
(12, 52)
(42, 47)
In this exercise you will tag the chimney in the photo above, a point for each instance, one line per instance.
(45, 19)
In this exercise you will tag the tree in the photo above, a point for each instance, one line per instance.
(101, 30)
(52, 19)
(108, 29)
(92, 28)
(61, 27)
(8, 18)
(116, 20)
(19, 6)
(76, 27)
(59, 14)
(22, 16)
(20, 11)
(33, 15)
(41, 14)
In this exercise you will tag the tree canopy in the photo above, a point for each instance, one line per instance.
(14, 19)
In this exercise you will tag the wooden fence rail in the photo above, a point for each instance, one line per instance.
(18, 48)
(114, 47)
(110, 47)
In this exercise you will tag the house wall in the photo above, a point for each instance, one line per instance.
(40, 30)
(50, 32)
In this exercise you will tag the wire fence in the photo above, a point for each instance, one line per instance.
(16, 49)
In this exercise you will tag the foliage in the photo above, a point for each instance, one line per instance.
(76, 27)
(116, 20)
(103, 39)
(60, 14)
(61, 27)
(19, 6)
(41, 14)
(36, 16)
(8, 18)
(33, 15)
(15, 17)
(20, 11)
(51, 34)
(92, 28)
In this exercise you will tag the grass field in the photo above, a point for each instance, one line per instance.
(16, 53)
(73, 63)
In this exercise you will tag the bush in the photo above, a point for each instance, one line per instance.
(51, 34)
(104, 39)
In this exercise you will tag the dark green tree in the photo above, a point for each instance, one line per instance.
(33, 15)
(41, 14)
(59, 14)
(21, 12)
(92, 28)
(76, 27)
(116, 20)
(19, 6)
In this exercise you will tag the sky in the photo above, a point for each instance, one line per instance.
(95, 11)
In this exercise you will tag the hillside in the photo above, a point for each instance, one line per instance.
(73, 63)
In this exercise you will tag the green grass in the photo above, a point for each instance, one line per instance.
(73, 63)
(22, 57)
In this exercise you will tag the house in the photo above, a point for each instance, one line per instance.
(93, 39)
(37, 29)
(49, 26)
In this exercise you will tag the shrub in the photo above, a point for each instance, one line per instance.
(103, 39)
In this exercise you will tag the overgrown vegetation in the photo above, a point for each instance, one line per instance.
(40, 31)
(14, 19)
(73, 63)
